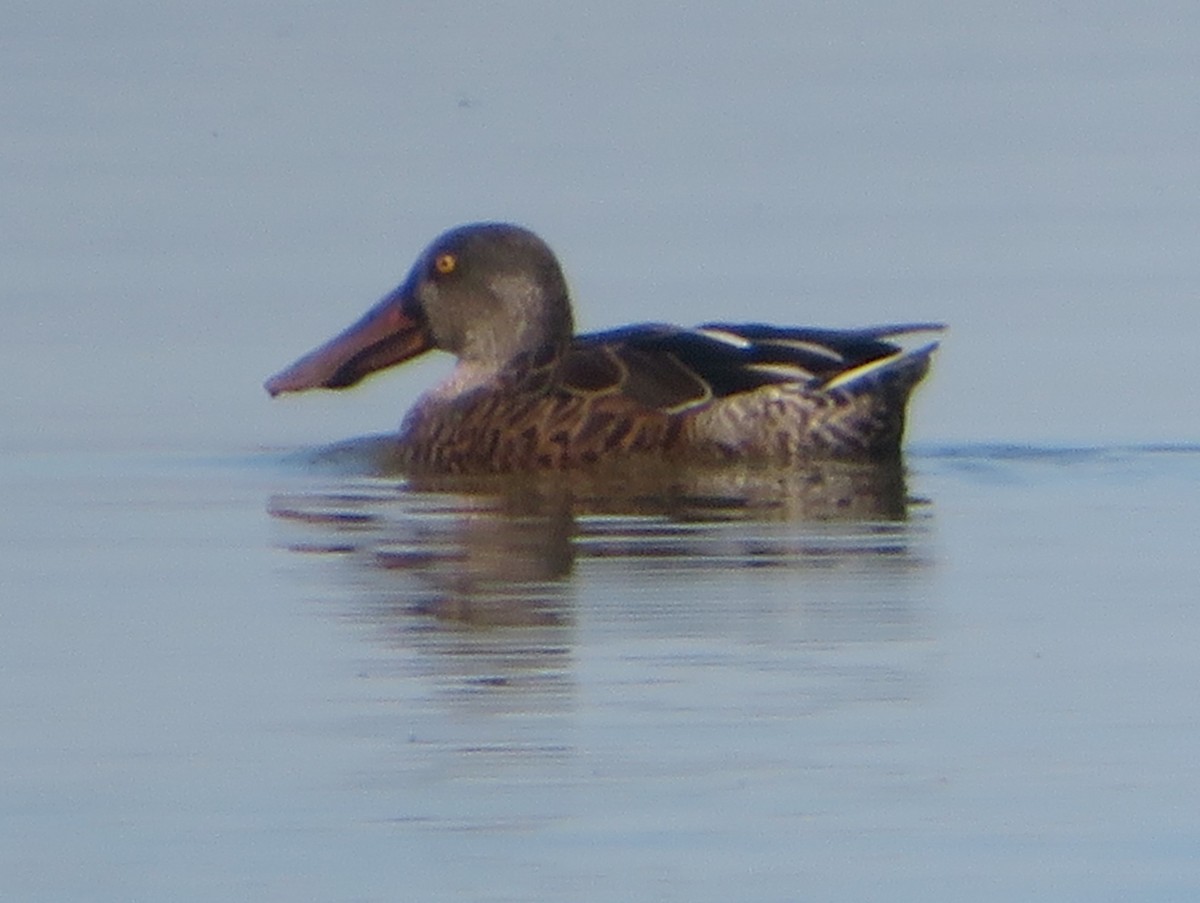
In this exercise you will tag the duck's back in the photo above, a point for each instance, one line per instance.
(717, 394)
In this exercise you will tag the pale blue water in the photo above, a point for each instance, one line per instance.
(229, 672)
(236, 677)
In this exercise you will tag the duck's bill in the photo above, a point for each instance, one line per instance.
(388, 334)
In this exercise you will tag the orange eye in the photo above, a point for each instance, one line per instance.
(445, 264)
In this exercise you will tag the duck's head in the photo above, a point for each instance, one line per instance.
(486, 292)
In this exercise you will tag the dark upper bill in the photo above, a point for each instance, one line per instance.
(388, 334)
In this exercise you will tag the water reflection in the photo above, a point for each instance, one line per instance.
(507, 616)
(500, 553)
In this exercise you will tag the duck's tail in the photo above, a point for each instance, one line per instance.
(869, 404)
(900, 372)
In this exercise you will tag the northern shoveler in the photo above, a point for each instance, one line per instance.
(529, 395)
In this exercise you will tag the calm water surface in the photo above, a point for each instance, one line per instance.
(234, 666)
(261, 676)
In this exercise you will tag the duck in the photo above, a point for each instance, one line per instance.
(528, 395)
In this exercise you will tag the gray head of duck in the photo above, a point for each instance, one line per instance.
(489, 293)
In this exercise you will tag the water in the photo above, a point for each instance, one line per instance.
(233, 668)
(245, 677)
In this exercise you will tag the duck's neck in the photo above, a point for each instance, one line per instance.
(466, 378)
(527, 371)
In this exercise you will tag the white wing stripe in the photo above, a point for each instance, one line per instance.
(791, 372)
(729, 338)
(801, 345)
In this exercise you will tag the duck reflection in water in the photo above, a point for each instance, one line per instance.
(494, 551)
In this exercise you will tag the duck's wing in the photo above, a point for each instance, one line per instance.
(674, 369)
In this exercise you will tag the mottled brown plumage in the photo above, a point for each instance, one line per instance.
(528, 395)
